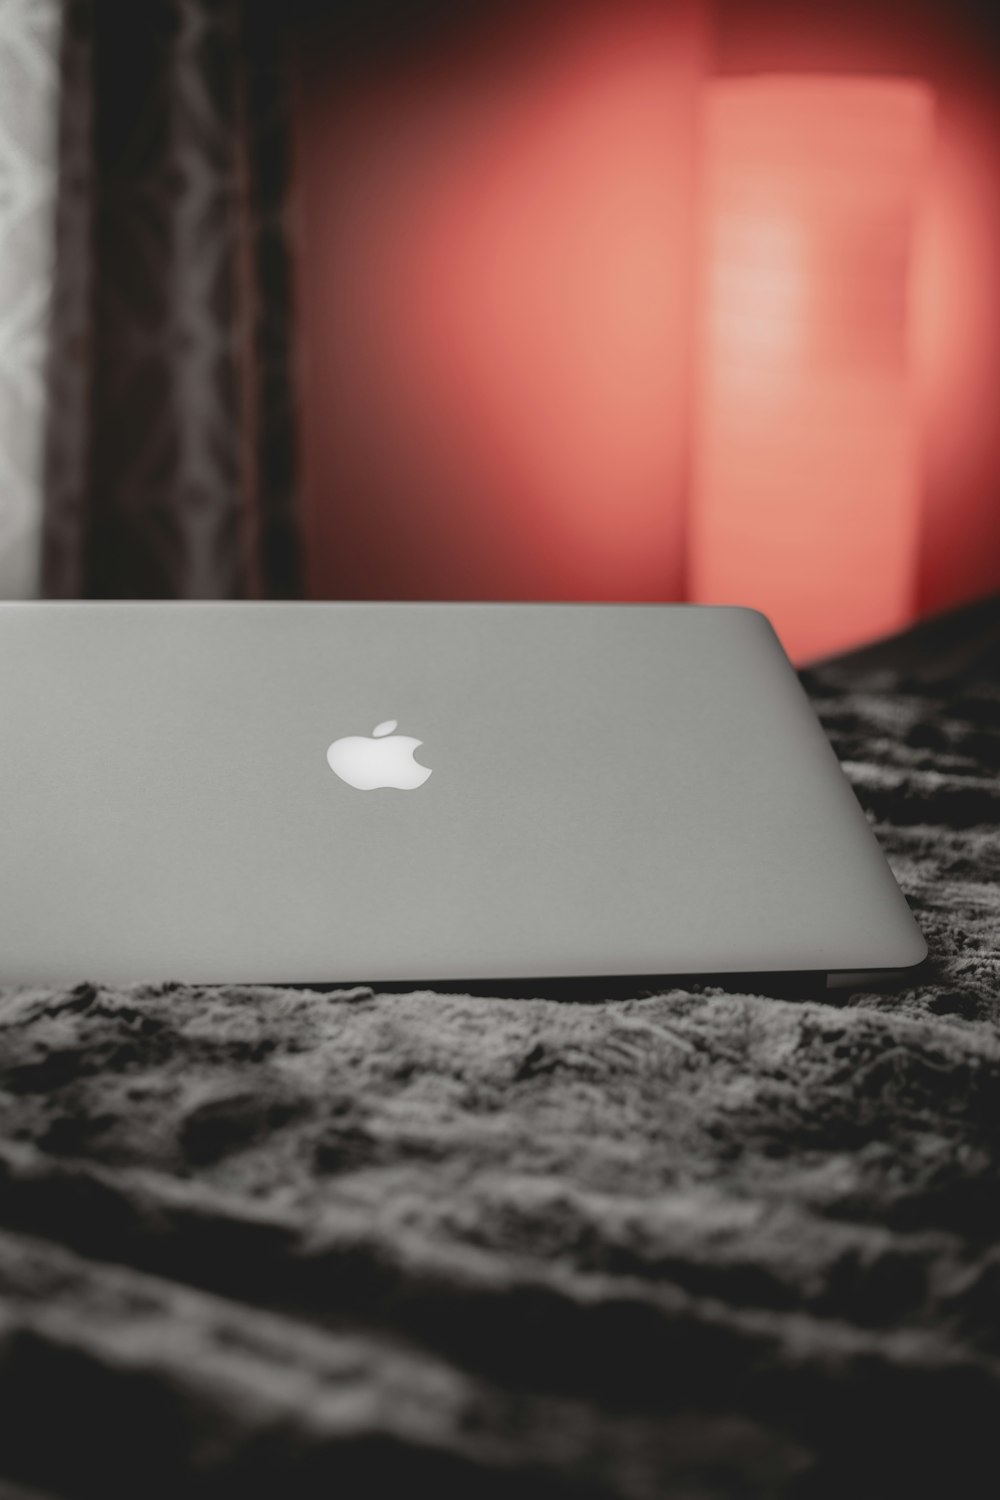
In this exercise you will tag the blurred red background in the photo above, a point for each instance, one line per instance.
(654, 301)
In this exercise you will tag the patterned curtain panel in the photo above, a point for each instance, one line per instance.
(29, 31)
(170, 457)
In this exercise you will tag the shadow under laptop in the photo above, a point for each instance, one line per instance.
(610, 988)
(834, 988)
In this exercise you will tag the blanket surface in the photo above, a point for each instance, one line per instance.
(695, 1243)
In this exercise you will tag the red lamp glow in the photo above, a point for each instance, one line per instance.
(806, 466)
(495, 274)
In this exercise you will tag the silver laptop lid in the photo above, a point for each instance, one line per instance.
(211, 792)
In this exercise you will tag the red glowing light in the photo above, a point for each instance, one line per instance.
(805, 501)
(496, 270)
(501, 315)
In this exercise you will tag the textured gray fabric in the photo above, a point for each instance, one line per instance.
(693, 1244)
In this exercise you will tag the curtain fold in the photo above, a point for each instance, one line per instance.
(29, 32)
(171, 457)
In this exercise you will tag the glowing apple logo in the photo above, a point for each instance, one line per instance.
(386, 759)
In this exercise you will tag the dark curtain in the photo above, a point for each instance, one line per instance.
(171, 452)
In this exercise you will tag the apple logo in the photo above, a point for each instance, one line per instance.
(386, 759)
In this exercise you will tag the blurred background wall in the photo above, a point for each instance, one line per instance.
(498, 259)
(652, 299)
(575, 329)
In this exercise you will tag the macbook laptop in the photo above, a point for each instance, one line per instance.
(413, 793)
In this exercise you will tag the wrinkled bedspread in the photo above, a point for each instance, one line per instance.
(693, 1243)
